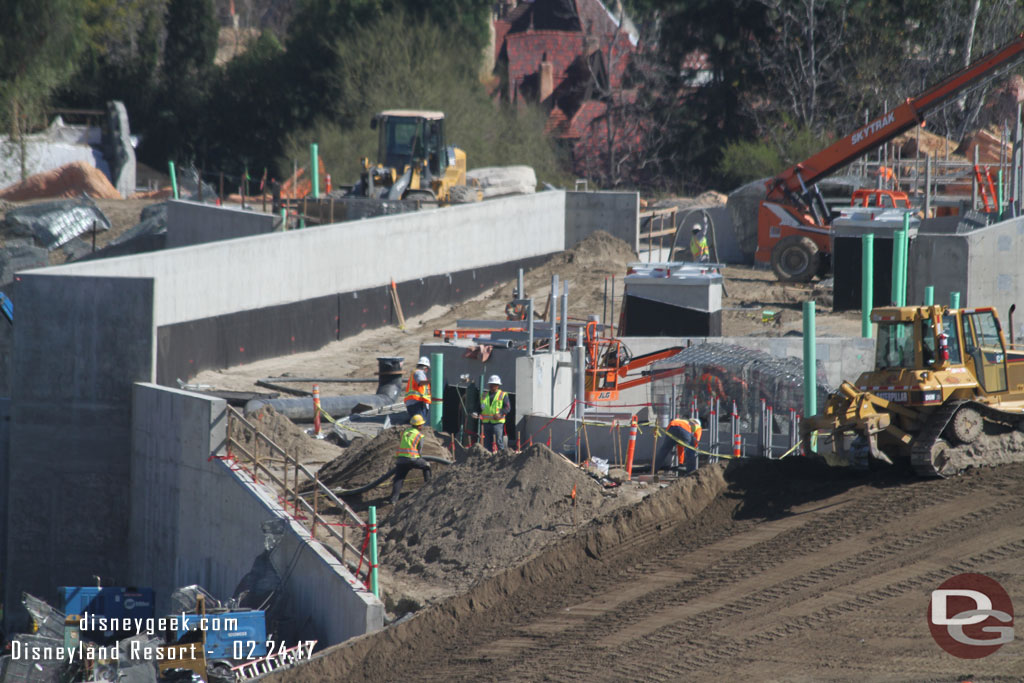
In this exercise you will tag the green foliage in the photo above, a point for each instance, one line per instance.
(422, 71)
(747, 160)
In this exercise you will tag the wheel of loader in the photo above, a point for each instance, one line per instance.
(463, 194)
(423, 196)
(796, 259)
(966, 425)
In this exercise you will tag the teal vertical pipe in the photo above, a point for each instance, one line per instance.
(314, 169)
(867, 283)
(284, 219)
(897, 265)
(954, 299)
(810, 362)
(372, 520)
(436, 390)
(905, 269)
(929, 296)
(999, 193)
(174, 179)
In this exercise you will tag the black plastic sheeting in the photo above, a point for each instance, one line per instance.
(185, 349)
(645, 318)
(847, 261)
(51, 224)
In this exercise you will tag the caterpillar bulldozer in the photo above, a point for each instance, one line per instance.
(946, 393)
(413, 161)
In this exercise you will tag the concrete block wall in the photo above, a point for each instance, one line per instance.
(191, 223)
(617, 213)
(195, 519)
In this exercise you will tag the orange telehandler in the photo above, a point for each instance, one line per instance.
(793, 225)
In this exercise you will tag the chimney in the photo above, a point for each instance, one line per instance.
(547, 80)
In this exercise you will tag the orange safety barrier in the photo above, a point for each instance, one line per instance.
(631, 450)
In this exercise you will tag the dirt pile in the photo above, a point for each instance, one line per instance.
(70, 180)
(600, 248)
(369, 459)
(286, 434)
(488, 513)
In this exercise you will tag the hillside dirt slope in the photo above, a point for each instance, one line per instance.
(784, 571)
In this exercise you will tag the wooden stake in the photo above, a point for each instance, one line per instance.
(398, 305)
(316, 500)
(654, 451)
(586, 440)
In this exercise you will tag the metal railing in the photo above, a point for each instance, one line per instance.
(292, 491)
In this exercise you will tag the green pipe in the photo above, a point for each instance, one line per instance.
(374, 585)
(174, 179)
(897, 262)
(315, 170)
(999, 193)
(929, 296)
(906, 259)
(954, 299)
(284, 219)
(810, 362)
(436, 390)
(867, 283)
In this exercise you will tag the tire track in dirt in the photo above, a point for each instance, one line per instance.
(760, 548)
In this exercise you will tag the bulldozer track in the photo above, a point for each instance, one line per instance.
(921, 454)
(726, 599)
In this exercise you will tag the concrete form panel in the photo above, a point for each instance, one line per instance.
(214, 279)
(995, 276)
(80, 343)
(940, 261)
(190, 223)
(617, 213)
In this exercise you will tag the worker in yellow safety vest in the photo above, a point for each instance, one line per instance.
(699, 246)
(417, 389)
(684, 435)
(494, 406)
(407, 457)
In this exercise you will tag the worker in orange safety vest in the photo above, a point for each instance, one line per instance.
(417, 389)
(684, 435)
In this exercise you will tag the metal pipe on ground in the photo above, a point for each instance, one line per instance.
(389, 379)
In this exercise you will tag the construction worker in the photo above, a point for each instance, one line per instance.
(417, 389)
(408, 456)
(699, 246)
(494, 406)
(514, 311)
(684, 435)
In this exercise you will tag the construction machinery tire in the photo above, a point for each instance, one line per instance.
(796, 259)
(463, 194)
(966, 425)
(425, 197)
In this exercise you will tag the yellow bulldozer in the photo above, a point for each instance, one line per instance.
(413, 161)
(946, 393)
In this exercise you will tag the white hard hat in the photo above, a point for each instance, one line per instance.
(696, 227)
(423, 361)
(494, 379)
(695, 421)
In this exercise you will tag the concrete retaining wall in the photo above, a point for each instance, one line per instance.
(193, 283)
(190, 223)
(617, 213)
(79, 345)
(195, 520)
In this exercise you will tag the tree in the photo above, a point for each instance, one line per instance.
(39, 42)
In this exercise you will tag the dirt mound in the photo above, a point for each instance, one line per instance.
(598, 248)
(70, 180)
(488, 513)
(286, 434)
(369, 459)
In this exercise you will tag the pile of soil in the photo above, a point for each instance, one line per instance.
(600, 249)
(70, 180)
(368, 459)
(286, 434)
(489, 512)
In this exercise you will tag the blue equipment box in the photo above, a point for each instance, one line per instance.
(231, 635)
(111, 602)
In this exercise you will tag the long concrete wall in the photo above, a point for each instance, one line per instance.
(191, 223)
(196, 520)
(203, 281)
(79, 344)
(617, 213)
